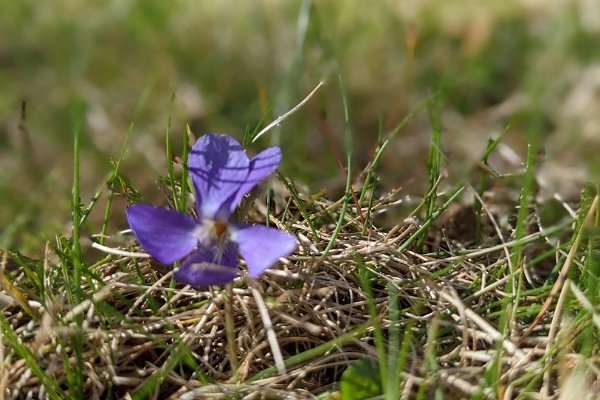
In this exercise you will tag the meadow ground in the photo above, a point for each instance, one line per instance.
(441, 185)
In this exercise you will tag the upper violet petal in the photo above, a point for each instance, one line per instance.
(262, 246)
(261, 166)
(219, 168)
(166, 234)
(203, 268)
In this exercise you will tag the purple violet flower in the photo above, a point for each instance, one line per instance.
(222, 175)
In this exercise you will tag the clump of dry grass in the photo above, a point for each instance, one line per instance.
(467, 335)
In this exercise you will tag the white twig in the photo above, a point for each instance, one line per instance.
(188, 336)
(118, 252)
(552, 333)
(268, 325)
(493, 336)
(287, 114)
(148, 290)
(100, 295)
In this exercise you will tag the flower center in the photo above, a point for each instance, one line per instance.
(219, 229)
(212, 233)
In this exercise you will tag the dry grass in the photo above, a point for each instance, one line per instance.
(138, 327)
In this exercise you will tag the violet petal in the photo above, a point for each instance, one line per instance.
(261, 166)
(262, 246)
(166, 235)
(203, 268)
(219, 167)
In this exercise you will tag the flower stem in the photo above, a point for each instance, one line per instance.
(230, 330)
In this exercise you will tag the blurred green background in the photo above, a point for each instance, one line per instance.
(228, 66)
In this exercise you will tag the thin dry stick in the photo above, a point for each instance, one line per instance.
(506, 251)
(492, 334)
(119, 252)
(465, 386)
(268, 325)
(491, 249)
(287, 114)
(491, 286)
(562, 276)
(495, 225)
(80, 308)
(175, 297)
(144, 296)
(545, 390)
(188, 336)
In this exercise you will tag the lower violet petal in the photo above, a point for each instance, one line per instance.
(262, 246)
(166, 235)
(204, 268)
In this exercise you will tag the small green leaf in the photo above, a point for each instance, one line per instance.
(361, 380)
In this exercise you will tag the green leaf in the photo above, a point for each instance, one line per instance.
(361, 381)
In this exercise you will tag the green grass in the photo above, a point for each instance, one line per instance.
(412, 355)
(436, 259)
(75, 376)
